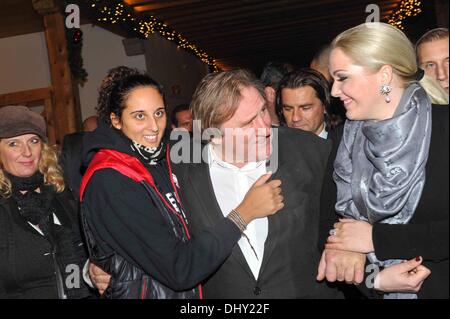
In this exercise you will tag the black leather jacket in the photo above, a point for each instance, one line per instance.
(128, 281)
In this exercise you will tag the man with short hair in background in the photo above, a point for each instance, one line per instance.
(303, 102)
(182, 117)
(271, 76)
(432, 55)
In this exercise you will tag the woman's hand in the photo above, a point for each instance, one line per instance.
(351, 235)
(99, 278)
(407, 276)
(263, 199)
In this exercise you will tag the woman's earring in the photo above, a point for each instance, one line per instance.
(385, 90)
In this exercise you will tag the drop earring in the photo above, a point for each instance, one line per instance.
(385, 90)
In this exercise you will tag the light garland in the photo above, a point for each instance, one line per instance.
(115, 12)
(407, 8)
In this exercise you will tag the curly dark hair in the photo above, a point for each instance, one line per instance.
(115, 87)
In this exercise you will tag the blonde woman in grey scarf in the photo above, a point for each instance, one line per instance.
(390, 171)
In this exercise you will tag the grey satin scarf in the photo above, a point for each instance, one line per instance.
(380, 166)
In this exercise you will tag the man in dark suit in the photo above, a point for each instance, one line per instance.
(304, 102)
(70, 161)
(278, 256)
(70, 158)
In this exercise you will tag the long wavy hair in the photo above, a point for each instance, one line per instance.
(48, 166)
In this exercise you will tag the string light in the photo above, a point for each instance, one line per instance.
(407, 8)
(116, 12)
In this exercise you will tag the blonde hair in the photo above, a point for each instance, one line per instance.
(48, 166)
(375, 44)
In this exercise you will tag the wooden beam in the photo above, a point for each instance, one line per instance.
(50, 119)
(18, 17)
(231, 34)
(193, 10)
(65, 113)
(249, 9)
(44, 7)
(24, 97)
(270, 37)
(163, 5)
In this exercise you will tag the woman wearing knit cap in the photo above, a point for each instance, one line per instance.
(41, 252)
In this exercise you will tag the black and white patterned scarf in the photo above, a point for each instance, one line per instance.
(151, 155)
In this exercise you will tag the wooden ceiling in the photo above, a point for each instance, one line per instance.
(248, 33)
(237, 33)
(18, 17)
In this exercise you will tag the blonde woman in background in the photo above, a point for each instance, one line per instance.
(41, 252)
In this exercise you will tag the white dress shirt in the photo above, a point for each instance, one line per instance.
(324, 133)
(230, 185)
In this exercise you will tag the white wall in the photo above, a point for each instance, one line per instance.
(173, 68)
(102, 51)
(23, 63)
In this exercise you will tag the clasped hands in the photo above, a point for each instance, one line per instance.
(344, 260)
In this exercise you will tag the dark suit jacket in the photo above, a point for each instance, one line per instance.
(328, 198)
(70, 161)
(291, 256)
(427, 233)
